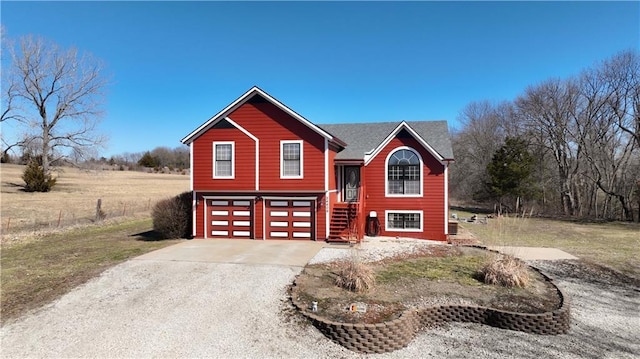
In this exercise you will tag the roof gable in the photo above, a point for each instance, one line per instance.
(256, 94)
(365, 140)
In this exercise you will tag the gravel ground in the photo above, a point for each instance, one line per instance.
(185, 309)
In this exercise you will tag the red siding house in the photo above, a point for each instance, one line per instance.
(259, 170)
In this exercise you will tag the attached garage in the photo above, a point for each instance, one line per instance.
(229, 218)
(290, 218)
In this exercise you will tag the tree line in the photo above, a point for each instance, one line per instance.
(160, 157)
(574, 145)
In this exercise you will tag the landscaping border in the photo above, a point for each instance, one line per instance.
(398, 333)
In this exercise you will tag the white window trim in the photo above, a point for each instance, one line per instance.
(386, 220)
(233, 159)
(386, 174)
(282, 143)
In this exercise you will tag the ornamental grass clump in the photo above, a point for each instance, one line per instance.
(506, 271)
(354, 275)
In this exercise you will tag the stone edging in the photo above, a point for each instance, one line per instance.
(398, 333)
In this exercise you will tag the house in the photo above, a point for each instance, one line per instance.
(262, 171)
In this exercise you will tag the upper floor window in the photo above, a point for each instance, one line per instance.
(404, 173)
(291, 163)
(223, 159)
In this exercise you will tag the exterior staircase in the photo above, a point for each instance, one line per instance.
(343, 226)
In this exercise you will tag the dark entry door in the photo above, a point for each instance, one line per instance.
(351, 183)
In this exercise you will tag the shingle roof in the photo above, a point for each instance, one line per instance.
(365, 137)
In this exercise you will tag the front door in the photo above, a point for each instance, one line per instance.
(351, 183)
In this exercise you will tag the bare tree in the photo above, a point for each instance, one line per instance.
(583, 132)
(623, 74)
(603, 128)
(482, 133)
(547, 108)
(55, 96)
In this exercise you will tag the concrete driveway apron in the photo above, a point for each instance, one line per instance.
(271, 252)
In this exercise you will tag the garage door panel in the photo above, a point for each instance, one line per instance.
(292, 219)
(279, 224)
(230, 218)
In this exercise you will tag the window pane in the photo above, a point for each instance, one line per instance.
(291, 167)
(395, 220)
(223, 152)
(412, 172)
(412, 220)
(223, 168)
(411, 187)
(291, 151)
(396, 187)
(395, 172)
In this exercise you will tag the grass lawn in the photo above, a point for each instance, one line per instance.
(614, 244)
(38, 271)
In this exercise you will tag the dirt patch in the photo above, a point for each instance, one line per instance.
(437, 275)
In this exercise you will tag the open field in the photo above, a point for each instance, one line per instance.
(73, 199)
(615, 244)
(36, 272)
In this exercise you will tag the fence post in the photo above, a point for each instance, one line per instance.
(99, 210)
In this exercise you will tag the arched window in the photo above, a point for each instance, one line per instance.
(404, 172)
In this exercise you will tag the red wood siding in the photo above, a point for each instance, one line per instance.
(271, 125)
(432, 202)
(199, 216)
(259, 208)
(321, 218)
(245, 159)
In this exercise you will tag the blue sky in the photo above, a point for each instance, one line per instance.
(174, 64)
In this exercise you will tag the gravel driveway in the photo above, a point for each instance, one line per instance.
(154, 308)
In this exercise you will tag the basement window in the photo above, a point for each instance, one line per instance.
(403, 221)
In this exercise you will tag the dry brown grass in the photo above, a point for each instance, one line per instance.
(505, 270)
(73, 199)
(354, 275)
(613, 244)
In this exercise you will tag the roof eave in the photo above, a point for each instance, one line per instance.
(255, 90)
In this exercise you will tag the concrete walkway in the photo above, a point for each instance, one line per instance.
(271, 252)
(533, 253)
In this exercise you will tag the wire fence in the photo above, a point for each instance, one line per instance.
(56, 218)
